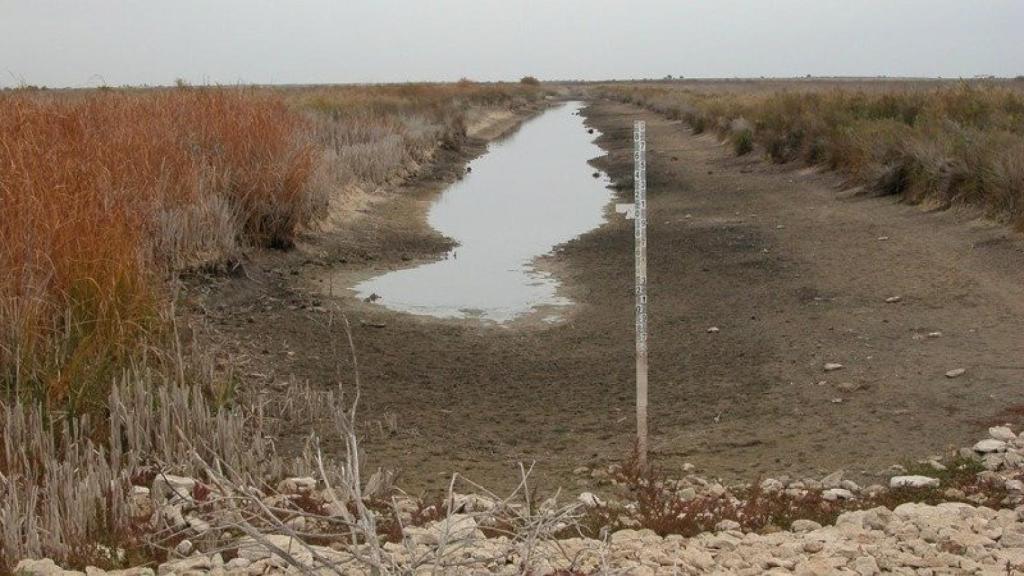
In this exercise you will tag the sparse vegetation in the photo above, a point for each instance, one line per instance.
(945, 144)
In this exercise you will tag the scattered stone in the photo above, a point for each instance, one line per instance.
(1002, 433)
(184, 548)
(713, 330)
(297, 523)
(805, 526)
(833, 494)
(589, 499)
(167, 487)
(255, 550)
(955, 373)
(198, 525)
(44, 567)
(848, 386)
(865, 566)
(726, 525)
(849, 485)
(140, 503)
(893, 299)
(913, 482)
(298, 485)
(813, 546)
(238, 564)
(833, 366)
(687, 494)
(455, 528)
(990, 445)
(189, 565)
(833, 480)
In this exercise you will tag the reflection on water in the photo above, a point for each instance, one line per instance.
(528, 194)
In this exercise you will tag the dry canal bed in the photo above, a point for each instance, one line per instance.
(788, 268)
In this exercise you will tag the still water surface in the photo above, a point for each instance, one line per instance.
(527, 194)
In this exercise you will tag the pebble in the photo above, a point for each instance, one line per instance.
(956, 372)
(894, 299)
(833, 366)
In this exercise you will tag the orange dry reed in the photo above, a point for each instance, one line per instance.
(103, 194)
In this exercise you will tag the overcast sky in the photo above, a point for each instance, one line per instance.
(89, 42)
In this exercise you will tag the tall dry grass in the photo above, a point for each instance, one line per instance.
(371, 134)
(943, 143)
(104, 194)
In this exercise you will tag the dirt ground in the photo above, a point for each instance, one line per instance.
(789, 267)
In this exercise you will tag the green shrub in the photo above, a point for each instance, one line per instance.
(743, 142)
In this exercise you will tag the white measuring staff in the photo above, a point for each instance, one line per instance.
(637, 211)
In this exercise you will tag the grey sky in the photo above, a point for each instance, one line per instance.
(87, 42)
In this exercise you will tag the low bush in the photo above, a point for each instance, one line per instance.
(654, 503)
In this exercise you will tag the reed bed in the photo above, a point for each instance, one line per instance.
(942, 143)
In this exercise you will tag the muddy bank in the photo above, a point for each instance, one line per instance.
(789, 269)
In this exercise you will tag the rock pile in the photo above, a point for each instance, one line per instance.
(913, 538)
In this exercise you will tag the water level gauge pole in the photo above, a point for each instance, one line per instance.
(640, 230)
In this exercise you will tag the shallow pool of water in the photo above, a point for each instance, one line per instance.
(529, 193)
